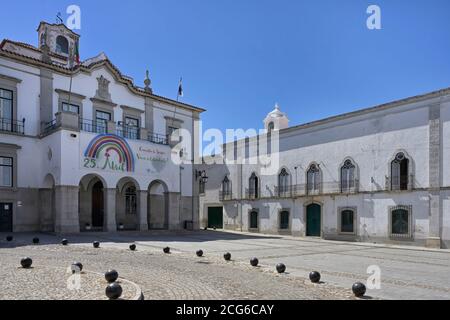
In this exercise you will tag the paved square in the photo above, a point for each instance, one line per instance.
(406, 273)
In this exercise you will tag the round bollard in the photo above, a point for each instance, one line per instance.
(113, 291)
(26, 262)
(64, 242)
(205, 228)
(9, 238)
(281, 268)
(35, 240)
(227, 256)
(111, 276)
(359, 289)
(96, 244)
(132, 247)
(254, 262)
(76, 266)
(314, 277)
(166, 250)
(199, 253)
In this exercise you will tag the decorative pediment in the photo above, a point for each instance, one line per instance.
(102, 92)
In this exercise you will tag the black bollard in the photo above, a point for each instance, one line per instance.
(359, 289)
(254, 262)
(111, 276)
(26, 262)
(227, 256)
(281, 268)
(77, 266)
(113, 291)
(199, 253)
(64, 242)
(132, 247)
(35, 240)
(314, 277)
(166, 250)
(9, 238)
(96, 244)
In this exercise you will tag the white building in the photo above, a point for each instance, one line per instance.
(377, 175)
(91, 155)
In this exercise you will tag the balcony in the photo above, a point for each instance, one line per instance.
(225, 195)
(93, 126)
(128, 132)
(12, 126)
(158, 138)
(399, 183)
(251, 194)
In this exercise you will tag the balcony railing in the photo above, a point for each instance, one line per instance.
(128, 132)
(49, 127)
(400, 183)
(8, 125)
(158, 138)
(252, 194)
(93, 126)
(225, 195)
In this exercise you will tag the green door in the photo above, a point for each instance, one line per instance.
(215, 217)
(313, 222)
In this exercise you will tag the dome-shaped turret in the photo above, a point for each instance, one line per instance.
(276, 120)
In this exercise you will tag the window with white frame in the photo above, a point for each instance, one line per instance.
(70, 108)
(283, 182)
(253, 186)
(348, 176)
(313, 178)
(6, 172)
(226, 187)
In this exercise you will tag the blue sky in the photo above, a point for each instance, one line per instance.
(237, 58)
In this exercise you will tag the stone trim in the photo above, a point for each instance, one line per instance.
(75, 99)
(288, 230)
(10, 83)
(249, 220)
(355, 220)
(410, 235)
(10, 151)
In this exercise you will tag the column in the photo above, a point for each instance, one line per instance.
(173, 207)
(66, 207)
(434, 237)
(142, 212)
(110, 210)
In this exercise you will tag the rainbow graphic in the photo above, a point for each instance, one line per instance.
(104, 144)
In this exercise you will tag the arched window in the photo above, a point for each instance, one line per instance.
(271, 126)
(130, 201)
(283, 183)
(253, 186)
(226, 189)
(347, 176)
(62, 45)
(254, 219)
(313, 179)
(399, 172)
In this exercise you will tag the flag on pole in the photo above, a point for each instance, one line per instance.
(180, 88)
(74, 57)
(77, 53)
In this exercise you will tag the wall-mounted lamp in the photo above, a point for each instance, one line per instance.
(202, 175)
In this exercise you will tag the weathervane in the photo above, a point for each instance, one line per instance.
(59, 19)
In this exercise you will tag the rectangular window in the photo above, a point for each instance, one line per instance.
(254, 220)
(400, 222)
(347, 221)
(70, 108)
(131, 129)
(6, 112)
(6, 172)
(284, 220)
(101, 121)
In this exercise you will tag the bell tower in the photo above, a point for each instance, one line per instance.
(276, 120)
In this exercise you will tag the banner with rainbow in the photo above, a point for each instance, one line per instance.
(109, 152)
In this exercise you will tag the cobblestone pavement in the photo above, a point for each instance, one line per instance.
(179, 275)
(406, 272)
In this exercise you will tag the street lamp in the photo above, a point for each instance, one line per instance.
(202, 175)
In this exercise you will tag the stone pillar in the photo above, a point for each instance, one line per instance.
(434, 237)
(46, 210)
(66, 208)
(142, 211)
(110, 224)
(173, 207)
